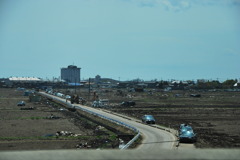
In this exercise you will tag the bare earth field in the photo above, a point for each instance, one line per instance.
(215, 116)
(34, 129)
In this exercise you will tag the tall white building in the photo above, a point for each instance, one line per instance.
(71, 74)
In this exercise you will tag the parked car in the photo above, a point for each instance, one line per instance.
(101, 103)
(186, 134)
(195, 95)
(68, 97)
(128, 103)
(21, 103)
(149, 119)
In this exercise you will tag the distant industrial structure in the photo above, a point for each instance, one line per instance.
(25, 79)
(71, 74)
(13, 81)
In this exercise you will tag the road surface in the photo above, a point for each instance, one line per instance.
(152, 137)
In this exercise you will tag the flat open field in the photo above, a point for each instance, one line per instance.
(34, 129)
(215, 116)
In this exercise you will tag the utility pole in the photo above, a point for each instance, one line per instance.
(75, 85)
(89, 88)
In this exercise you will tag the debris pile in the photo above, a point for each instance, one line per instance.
(99, 128)
(66, 134)
(53, 117)
(83, 145)
(27, 108)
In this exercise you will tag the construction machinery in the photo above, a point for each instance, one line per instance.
(75, 99)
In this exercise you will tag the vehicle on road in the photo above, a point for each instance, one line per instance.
(186, 134)
(148, 119)
(21, 103)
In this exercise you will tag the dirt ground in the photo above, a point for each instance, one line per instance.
(215, 116)
(35, 129)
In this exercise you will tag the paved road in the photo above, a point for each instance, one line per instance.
(152, 137)
(156, 154)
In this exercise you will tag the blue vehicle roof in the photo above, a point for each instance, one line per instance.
(149, 117)
(186, 130)
(187, 134)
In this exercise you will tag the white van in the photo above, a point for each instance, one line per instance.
(101, 103)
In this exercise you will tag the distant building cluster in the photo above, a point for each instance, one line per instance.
(70, 77)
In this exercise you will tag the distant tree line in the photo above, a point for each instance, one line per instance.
(228, 84)
(200, 84)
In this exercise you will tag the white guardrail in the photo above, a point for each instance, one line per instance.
(99, 115)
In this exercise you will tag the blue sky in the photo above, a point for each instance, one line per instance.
(121, 39)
